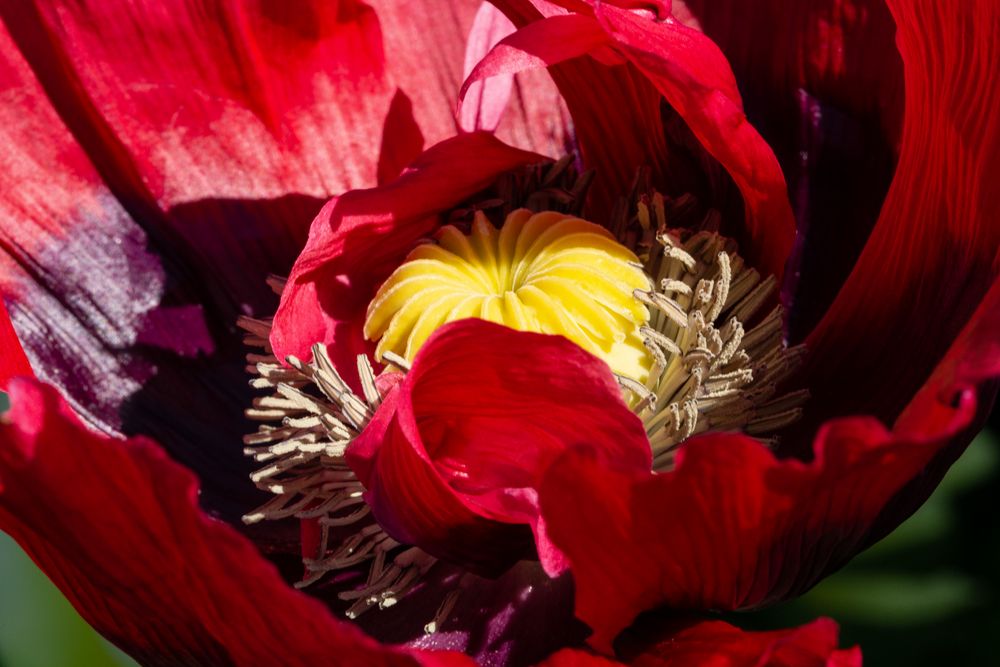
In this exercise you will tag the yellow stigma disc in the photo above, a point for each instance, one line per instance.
(546, 272)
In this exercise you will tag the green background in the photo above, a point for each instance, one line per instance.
(926, 595)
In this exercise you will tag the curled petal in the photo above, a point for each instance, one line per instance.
(689, 71)
(739, 528)
(453, 459)
(694, 77)
(971, 366)
(358, 239)
(116, 526)
(794, 522)
(825, 89)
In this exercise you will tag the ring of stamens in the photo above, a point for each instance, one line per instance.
(706, 372)
(709, 372)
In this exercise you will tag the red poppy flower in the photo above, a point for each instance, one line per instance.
(165, 160)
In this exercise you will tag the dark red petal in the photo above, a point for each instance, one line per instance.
(458, 452)
(695, 78)
(972, 364)
(358, 239)
(732, 527)
(12, 360)
(575, 658)
(115, 525)
(825, 89)
(133, 325)
(933, 254)
(719, 644)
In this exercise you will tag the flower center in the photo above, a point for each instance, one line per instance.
(686, 331)
(547, 273)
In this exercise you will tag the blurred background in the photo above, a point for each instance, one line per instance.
(925, 596)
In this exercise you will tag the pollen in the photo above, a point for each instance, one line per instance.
(544, 272)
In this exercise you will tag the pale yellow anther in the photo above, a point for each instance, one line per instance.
(547, 272)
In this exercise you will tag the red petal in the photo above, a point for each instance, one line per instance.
(459, 451)
(732, 527)
(115, 525)
(933, 254)
(260, 99)
(358, 239)
(722, 645)
(549, 41)
(201, 101)
(12, 360)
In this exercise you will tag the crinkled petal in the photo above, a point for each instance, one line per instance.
(358, 239)
(737, 527)
(425, 51)
(453, 460)
(934, 252)
(115, 525)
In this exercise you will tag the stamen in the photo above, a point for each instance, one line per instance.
(314, 415)
(708, 371)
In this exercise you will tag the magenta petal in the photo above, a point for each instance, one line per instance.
(487, 99)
